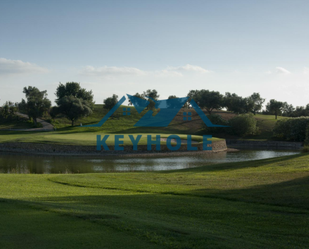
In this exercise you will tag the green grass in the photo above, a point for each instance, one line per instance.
(120, 124)
(254, 204)
(79, 138)
(15, 123)
(125, 124)
(117, 124)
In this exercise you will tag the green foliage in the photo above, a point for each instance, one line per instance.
(305, 149)
(37, 103)
(8, 110)
(73, 108)
(256, 204)
(307, 135)
(218, 120)
(151, 96)
(238, 104)
(73, 101)
(209, 100)
(288, 110)
(292, 129)
(242, 125)
(257, 102)
(274, 107)
(110, 102)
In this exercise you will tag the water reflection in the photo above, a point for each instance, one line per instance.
(39, 164)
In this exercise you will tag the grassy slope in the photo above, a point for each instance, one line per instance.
(15, 123)
(117, 124)
(238, 205)
(266, 124)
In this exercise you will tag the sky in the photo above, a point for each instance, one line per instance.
(124, 47)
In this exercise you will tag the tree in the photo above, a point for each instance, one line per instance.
(110, 102)
(136, 95)
(8, 109)
(207, 99)
(287, 110)
(151, 95)
(73, 101)
(237, 104)
(274, 107)
(37, 103)
(257, 101)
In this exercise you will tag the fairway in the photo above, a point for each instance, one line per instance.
(255, 204)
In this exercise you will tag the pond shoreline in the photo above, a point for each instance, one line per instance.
(70, 150)
(239, 143)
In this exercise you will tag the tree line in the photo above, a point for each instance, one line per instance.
(75, 102)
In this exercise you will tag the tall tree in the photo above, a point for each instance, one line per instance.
(237, 104)
(8, 110)
(257, 101)
(287, 110)
(110, 102)
(274, 107)
(136, 95)
(37, 103)
(209, 100)
(151, 96)
(73, 101)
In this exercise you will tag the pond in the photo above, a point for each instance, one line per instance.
(43, 164)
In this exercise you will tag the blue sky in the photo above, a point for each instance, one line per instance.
(173, 46)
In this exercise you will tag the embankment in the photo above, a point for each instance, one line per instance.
(56, 149)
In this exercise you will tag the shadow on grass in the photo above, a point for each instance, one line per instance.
(185, 221)
(293, 193)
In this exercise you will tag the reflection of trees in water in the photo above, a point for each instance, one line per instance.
(42, 164)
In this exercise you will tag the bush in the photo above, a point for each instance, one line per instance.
(292, 129)
(307, 136)
(305, 149)
(218, 120)
(242, 125)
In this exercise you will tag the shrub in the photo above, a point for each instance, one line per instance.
(242, 125)
(292, 129)
(218, 120)
(307, 136)
(305, 149)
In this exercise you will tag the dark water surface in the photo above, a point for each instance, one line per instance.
(44, 164)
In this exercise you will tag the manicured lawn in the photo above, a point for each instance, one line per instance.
(258, 204)
(78, 138)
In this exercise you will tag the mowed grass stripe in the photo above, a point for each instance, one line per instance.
(245, 205)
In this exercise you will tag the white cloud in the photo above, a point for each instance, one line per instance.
(131, 71)
(281, 70)
(167, 73)
(189, 68)
(19, 67)
(306, 70)
(102, 71)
